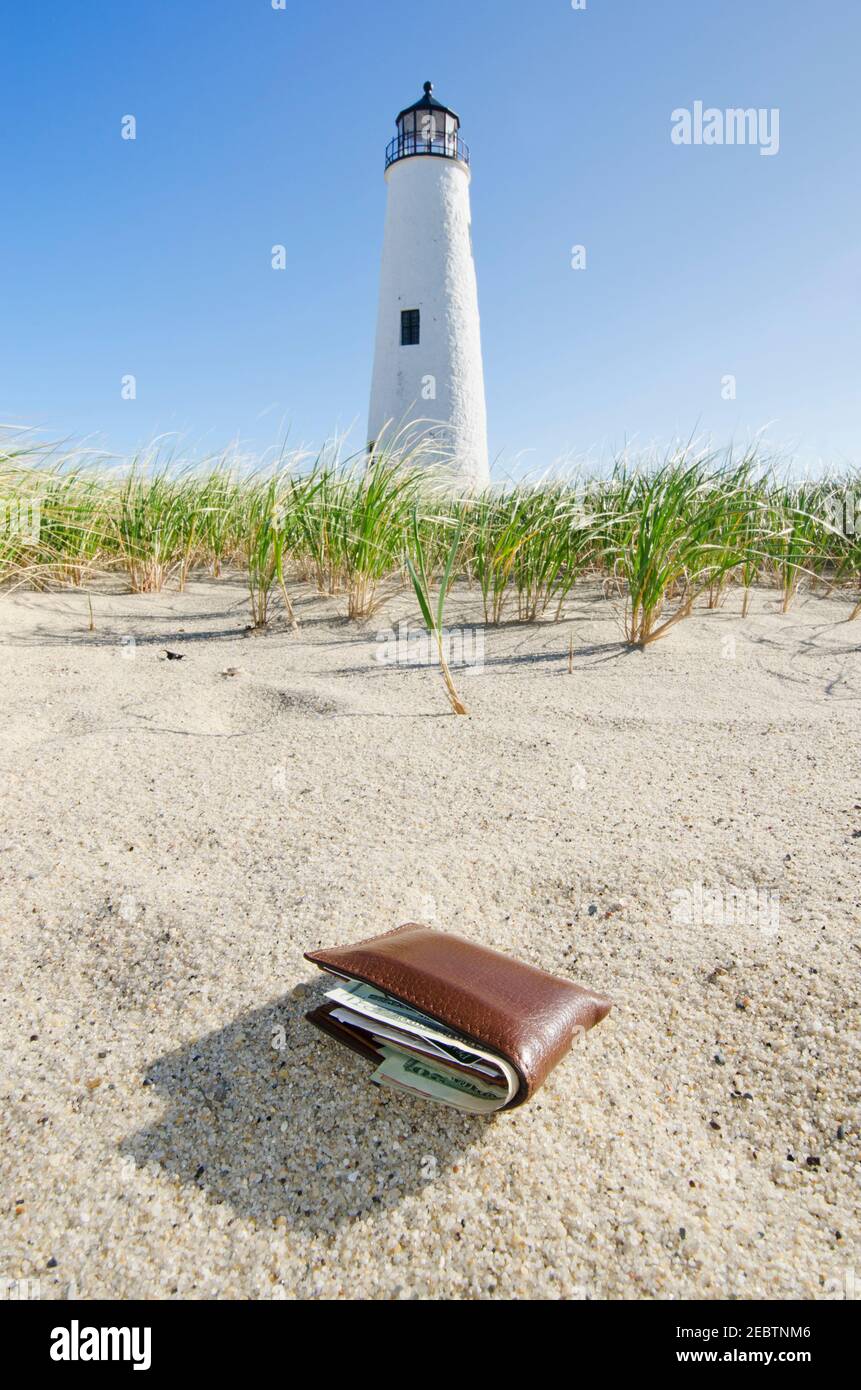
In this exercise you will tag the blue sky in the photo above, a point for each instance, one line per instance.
(258, 126)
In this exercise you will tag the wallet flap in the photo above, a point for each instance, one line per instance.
(527, 1016)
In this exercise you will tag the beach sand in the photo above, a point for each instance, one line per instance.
(173, 839)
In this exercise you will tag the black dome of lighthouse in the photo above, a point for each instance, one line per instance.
(429, 103)
(428, 128)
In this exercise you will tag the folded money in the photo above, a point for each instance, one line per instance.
(449, 1020)
(436, 1082)
(442, 1062)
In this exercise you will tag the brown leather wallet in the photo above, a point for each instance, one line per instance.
(523, 1014)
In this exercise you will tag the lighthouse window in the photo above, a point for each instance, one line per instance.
(410, 327)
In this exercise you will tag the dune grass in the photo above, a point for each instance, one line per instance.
(434, 615)
(664, 538)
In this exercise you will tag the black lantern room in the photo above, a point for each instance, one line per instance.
(427, 128)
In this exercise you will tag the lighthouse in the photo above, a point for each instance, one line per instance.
(428, 380)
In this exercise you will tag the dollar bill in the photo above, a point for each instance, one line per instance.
(383, 1033)
(434, 1081)
(393, 1013)
(376, 1004)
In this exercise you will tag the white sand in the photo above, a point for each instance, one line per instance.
(172, 840)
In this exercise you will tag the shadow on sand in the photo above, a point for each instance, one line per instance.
(273, 1119)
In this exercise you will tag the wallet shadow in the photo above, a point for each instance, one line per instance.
(273, 1119)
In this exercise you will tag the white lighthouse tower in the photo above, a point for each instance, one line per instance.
(428, 378)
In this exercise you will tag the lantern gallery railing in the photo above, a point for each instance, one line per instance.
(443, 146)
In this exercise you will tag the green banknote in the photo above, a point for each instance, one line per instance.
(394, 1017)
(435, 1081)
